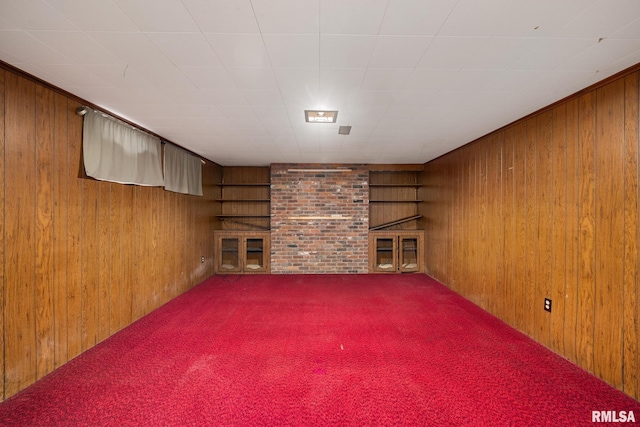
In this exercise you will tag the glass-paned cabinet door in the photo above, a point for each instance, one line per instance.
(254, 256)
(385, 254)
(408, 254)
(230, 254)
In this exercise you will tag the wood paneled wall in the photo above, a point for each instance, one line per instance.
(548, 207)
(81, 259)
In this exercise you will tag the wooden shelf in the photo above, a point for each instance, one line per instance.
(396, 222)
(395, 201)
(243, 200)
(243, 216)
(237, 184)
(396, 185)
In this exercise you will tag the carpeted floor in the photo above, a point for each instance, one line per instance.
(316, 350)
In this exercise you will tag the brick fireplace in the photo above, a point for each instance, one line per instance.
(319, 218)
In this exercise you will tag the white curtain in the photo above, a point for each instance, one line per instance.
(182, 171)
(114, 151)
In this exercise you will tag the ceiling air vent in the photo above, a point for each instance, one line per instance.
(344, 130)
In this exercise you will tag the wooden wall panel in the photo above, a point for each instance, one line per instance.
(20, 247)
(2, 230)
(560, 220)
(609, 200)
(82, 259)
(104, 258)
(509, 241)
(60, 231)
(531, 227)
(572, 208)
(630, 283)
(558, 225)
(74, 237)
(519, 212)
(586, 232)
(45, 128)
(542, 242)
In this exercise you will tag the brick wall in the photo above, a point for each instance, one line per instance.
(335, 243)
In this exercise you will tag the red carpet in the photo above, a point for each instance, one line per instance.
(316, 351)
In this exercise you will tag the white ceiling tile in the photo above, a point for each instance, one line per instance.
(237, 111)
(29, 49)
(602, 19)
(163, 76)
(351, 17)
(385, 78)
(398, 51)
(132, 48)
(224, 97)
(342, 100)
(35, 15)
(119, 76)
(551, 53)
(71, 74)
(341, 79)
(412, 99)
(174, 110)
(513, 80)
(301, 80)
(223, 16)
(77, 46)
(453, 52)
(263, 97)
(415, 17)
(470, 80)
(375, 98)
(158, 15)
(511, 18)
(608, 50)
(292, 50)
(274, 118)
(188, 49)
(209, 77)
(345, 51)
(427, 79)
(95, 15)
(277, 16)
(254, 78)
(631, 31)
(239, 50)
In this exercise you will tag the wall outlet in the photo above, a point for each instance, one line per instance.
(202, 259)
(547, 305)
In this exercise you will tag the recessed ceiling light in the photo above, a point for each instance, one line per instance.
(320, 116)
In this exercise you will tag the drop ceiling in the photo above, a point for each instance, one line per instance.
(231, 79)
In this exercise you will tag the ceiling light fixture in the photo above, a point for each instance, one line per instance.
(320, 116)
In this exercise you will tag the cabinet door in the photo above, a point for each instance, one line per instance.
(255, 255)
(229, 258)
(408, 253)
(385, 258)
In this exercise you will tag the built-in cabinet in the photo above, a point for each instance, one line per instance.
(242, 252)
(396, 251)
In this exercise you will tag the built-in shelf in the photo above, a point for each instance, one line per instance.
(243, 216)
(243, 200)
(250, 184)
(395, 201)
(396, 185)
